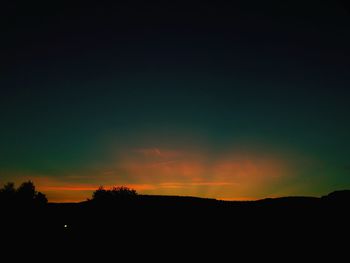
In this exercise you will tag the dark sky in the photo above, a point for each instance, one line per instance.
(238, 100)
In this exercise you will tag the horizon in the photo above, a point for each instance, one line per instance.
(216, 100)
(243, 199)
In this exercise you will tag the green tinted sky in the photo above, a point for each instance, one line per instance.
(219, 100)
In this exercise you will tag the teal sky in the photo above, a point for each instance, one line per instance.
(208, 105)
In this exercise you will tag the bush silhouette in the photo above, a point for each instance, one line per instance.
(100, 194)
(115, 194)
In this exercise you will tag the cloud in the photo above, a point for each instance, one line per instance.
(157, 153)
(224, 175)
(171, 172)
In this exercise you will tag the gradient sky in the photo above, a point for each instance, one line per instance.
(229, 101)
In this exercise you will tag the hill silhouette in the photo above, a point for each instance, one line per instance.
(134, 221)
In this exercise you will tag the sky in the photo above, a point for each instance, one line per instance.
(234, 101)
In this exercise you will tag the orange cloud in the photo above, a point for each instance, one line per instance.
(228, 176)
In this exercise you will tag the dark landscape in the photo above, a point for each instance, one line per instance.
(175, 107)
(128, 217)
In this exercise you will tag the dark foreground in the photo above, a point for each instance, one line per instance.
(181, 224)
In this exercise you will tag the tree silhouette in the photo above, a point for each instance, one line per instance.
(116, 193)
(123, 191)
(100, 194)
(8, 192)
(40, 198)
(24, 194)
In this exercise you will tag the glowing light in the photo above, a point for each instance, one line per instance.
(230, 176)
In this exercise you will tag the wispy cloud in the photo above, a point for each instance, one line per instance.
(157, 152)
(167, 171)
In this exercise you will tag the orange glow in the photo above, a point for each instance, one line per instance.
(230, 176)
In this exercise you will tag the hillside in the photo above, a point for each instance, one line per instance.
(181, 225)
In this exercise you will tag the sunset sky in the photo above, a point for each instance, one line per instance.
(230, 101)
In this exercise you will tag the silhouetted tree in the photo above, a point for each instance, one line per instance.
(116, 193)
(123, 191)
(9, 188)
(100, 194)
(40, 198)
(24, 194)
(8, 192)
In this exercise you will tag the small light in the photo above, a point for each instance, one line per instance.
(65, 226)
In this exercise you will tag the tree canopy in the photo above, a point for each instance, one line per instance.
(24, 194)
(114, 194)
